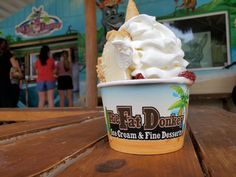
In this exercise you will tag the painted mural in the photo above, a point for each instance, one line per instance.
(28, 23)
(112, 19)
(38, 24)
(189, 5)
(45, 19)
(110, 13)
(194, 7)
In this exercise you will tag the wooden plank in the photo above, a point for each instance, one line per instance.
(214, 130)
(105, 162)
(19, 115)
(31, 155)
(19, 129)
(210, 96)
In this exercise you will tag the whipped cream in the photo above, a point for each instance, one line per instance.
(152, 49)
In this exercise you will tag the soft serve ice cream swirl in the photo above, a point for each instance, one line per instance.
(152, 49)
(143, 49)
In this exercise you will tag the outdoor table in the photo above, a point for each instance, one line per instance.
(77, 146)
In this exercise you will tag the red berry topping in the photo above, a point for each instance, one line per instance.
(188, 74)
(139, 76)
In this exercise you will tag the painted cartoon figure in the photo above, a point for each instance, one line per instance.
(111, 18)
(36, 15)
(186, 4)
(38, 23)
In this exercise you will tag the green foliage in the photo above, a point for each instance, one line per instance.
(230, 2)
(100, 40)
(177, 104)
(10, 39)
(183, 101)
(81, 44)
(210, 6)
(178, 90)
(18, 39)
(81, 47)
(100, 34)
(46, 19)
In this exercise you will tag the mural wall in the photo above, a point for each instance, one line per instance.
(47, 19)
(51, 18)
(71, 14)
(168, 9)
(212, 29)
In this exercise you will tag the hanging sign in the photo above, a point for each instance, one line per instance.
(38, 24)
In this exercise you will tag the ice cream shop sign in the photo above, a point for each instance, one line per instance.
(38, 23)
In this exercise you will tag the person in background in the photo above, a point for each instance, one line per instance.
(65, 83)
(16, 76)
(7, 61)
(45, 70)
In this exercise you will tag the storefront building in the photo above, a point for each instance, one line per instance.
(207, 29)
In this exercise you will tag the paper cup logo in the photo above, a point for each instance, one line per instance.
(38, 23)
(150, 124)
(152, 127)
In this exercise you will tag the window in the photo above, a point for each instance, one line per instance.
(205, 39)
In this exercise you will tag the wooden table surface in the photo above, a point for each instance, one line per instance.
(77, 146)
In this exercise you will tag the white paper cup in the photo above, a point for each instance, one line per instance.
(145, 116)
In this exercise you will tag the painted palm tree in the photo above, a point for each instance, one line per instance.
(182, 103)
(46, 19)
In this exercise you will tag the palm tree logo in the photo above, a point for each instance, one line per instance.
(182, 103)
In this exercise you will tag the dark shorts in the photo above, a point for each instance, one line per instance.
(65, 83)
(43, 86)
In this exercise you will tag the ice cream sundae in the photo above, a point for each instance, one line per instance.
(144, 86)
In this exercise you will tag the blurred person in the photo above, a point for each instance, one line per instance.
(15, 76)
(8, 95)
(45, 71)
(65, 83)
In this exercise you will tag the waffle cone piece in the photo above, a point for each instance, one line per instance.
(107, 67)
(131, 10)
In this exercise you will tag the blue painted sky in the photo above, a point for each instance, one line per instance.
(159, 7)
(72, 12)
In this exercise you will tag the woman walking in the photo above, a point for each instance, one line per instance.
(45, 70)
